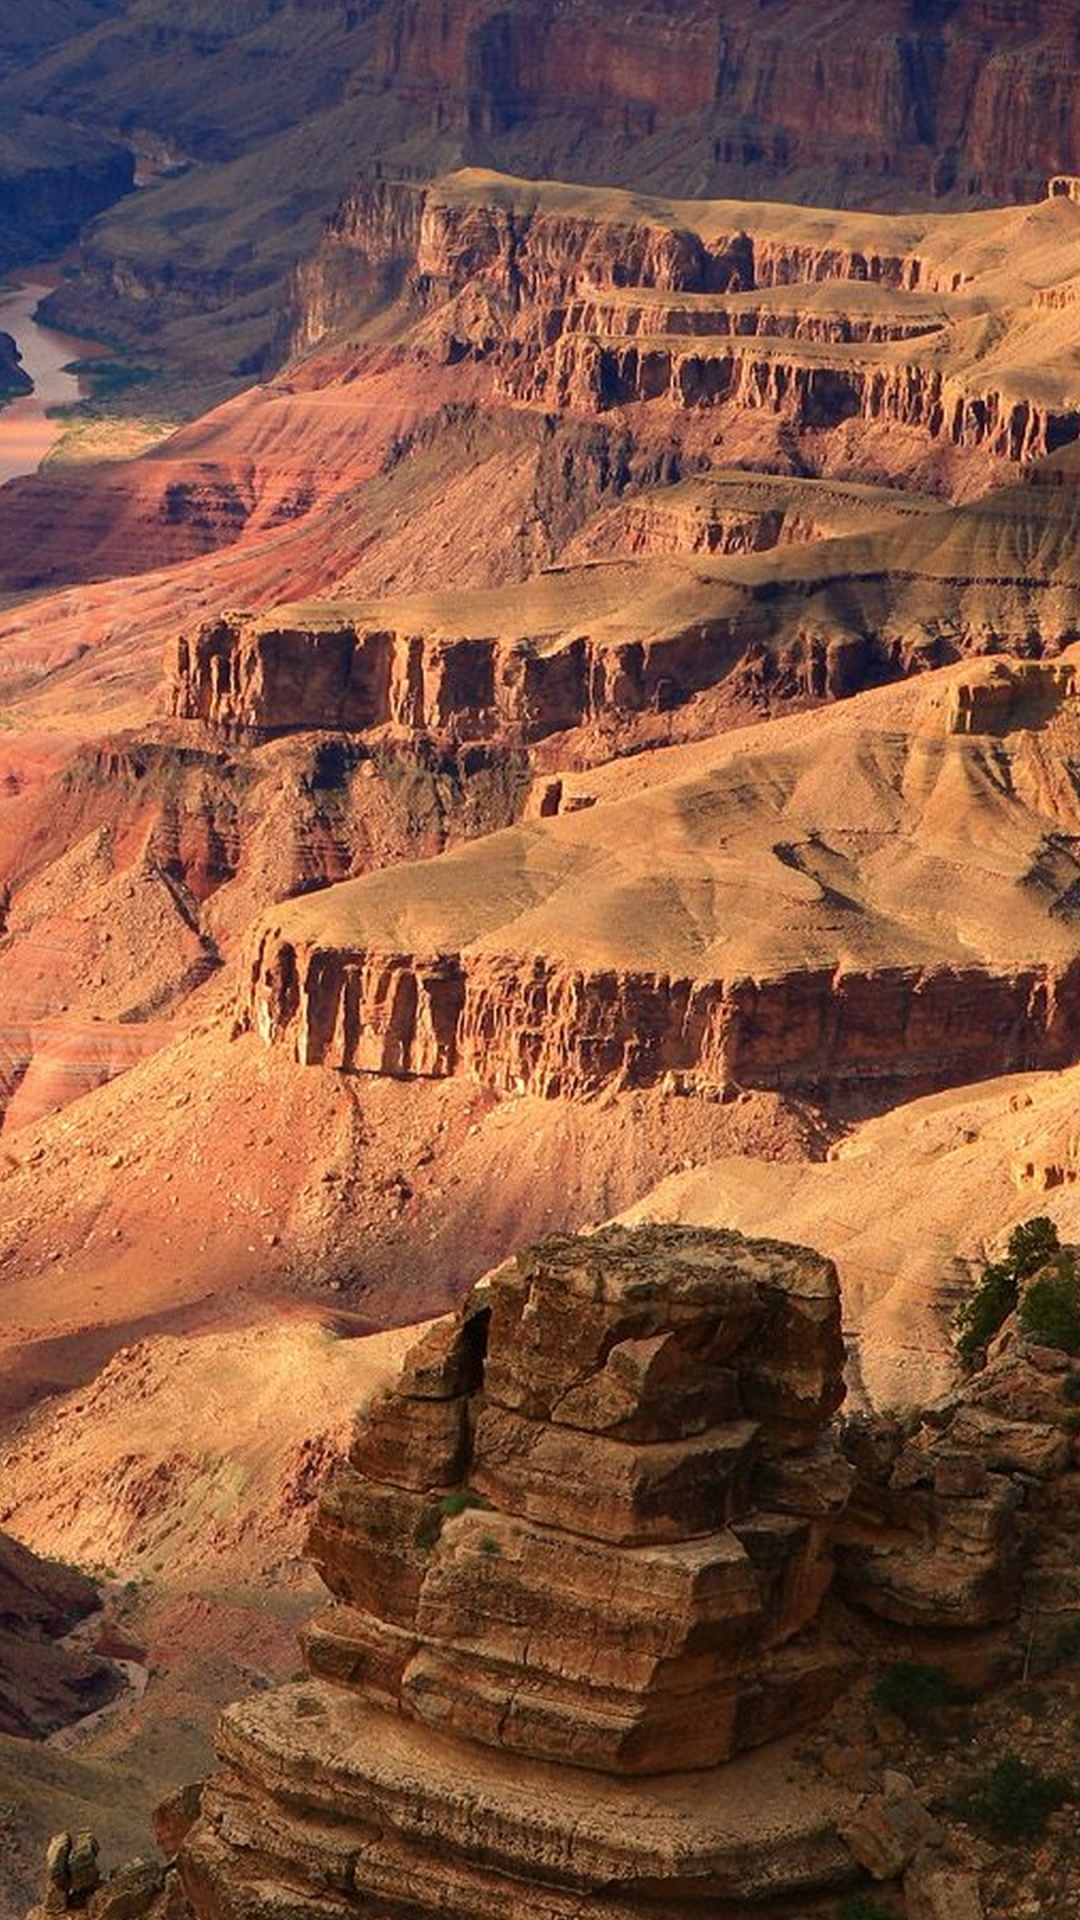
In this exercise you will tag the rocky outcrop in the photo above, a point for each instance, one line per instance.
(54, 176)
(589, 304)
(815, 395)
(44, 1684)
(961, 1526)
(75, 1883)
(249, 675)
(13, 380)
(536, 1026)
(579, 1551)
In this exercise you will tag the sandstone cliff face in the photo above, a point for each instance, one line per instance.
(585, 1536)
(588, 303)
(536, 1026)
(968, 98)
(253, 676)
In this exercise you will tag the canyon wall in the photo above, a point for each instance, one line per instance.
(587, 303)
(54, 177)
(264, 675)
(922, 102)
(530, 1025)
(968, 98)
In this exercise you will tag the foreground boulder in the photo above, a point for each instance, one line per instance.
(578, 1558)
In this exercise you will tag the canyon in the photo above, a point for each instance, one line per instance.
(539, 686)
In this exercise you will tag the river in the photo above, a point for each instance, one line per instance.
(25, 434)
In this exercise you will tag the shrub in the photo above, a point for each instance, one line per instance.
(914, 1692)
(1050, 1309)
(986, 1310)
(1031, 1245)
(1070, 1389)
(460, 1501)
(430, 1526)
(1012, 1800)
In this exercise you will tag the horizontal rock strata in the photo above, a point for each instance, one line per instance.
(578, 1557)
(539, 1027)
(262, 675)
(594, 303)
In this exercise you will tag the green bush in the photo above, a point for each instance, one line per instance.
(986, 1311)
(430, 1526)
(460, 1501)
(1013, 1800)
(1050, 1309)
(915, 1692)
(1031, 1245)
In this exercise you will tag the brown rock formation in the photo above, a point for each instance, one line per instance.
(959, 100)
(590, 302)
(552, 961)
(42, 1684)
(587, 1530)
(961, 1526)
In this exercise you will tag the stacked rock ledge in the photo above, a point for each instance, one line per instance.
(577, 1557)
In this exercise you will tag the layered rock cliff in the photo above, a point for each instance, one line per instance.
(579, 1550)
(921, 102)
(614, 947)
(588, 302)
(537, 1027)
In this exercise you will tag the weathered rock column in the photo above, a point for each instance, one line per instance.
(578, 1556)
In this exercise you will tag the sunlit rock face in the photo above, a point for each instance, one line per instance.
(578, 1556)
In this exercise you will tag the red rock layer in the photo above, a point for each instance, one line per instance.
(537, 1027)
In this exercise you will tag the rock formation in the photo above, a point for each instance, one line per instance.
(578, 1557)
(962, 1517)
(44, 1684)
(540, 963)
(13, 379)
(937, 100)
(593, 301)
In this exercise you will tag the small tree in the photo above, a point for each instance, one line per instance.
(1050, 1309)
(1012, 1800)
(1032, 1244)
(985, 1310)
